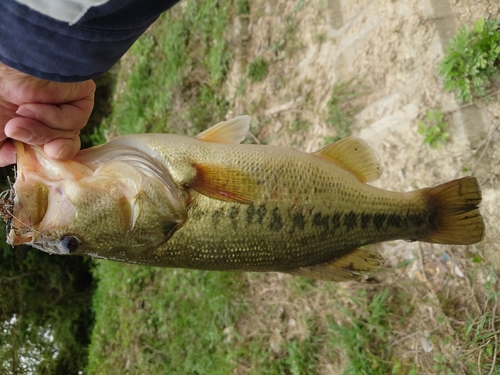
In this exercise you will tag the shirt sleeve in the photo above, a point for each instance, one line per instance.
(73, 50)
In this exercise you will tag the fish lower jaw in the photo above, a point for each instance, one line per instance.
(28, 238)
(49, 246)
(14, 239)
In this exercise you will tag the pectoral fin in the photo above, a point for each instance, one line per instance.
(225, 184)
(354, 155)
(231, 132)
(353, 266)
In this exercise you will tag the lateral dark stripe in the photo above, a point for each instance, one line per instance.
(350, 220)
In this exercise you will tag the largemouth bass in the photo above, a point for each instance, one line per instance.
(209, 202)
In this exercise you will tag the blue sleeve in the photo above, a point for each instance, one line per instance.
(49, 49)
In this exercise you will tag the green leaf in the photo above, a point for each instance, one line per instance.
(472, 60)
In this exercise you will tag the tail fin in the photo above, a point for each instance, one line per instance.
(455, 217)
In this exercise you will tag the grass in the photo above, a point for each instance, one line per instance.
(482, 333)
(257, 69)
(166, 321)
(297, 357)
(176, 68)
(365, 338)
(433, 128)
(472, 60)
(283, 40)
(257, 72)
(242, 7)
(340, 107)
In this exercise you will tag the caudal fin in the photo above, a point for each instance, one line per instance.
(455, 217)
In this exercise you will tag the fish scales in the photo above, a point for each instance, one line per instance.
(212, 203)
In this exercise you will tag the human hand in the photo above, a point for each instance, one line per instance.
(40, 112)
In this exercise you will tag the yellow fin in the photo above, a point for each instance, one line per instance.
(230, 132)
(354, 155)
(352, 266)
(225, 184)
(455, 218)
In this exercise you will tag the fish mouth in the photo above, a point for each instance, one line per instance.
(51, 198)
(36, 200)
(27, 205)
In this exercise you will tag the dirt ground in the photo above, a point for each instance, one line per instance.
(392, 48)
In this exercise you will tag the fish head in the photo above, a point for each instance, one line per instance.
(103, 208)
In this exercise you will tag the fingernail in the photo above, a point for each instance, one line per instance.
(63, 153)
(21, 134)
(26, 112)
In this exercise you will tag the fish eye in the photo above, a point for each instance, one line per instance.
(69, 244)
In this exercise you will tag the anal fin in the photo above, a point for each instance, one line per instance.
(355, 265)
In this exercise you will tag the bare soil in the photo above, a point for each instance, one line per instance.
(393, 48)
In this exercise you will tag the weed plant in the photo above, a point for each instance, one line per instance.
(257, 70)
(366, 338)
(472, 61)
(340, 110)
(433, 128)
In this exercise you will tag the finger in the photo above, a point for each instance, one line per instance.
(3, 137)
(77, 92)
(7, 154)
(34, 132)
(64, 116)
(34, 90)
(62, 149)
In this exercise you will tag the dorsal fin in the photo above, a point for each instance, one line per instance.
(354, 155)
(355, 265)
(230, 132)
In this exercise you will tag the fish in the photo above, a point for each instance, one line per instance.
(210, 202)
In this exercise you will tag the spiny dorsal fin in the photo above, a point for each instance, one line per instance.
(230, 132)
(354, 155)
(230, 185)
(352, 266)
